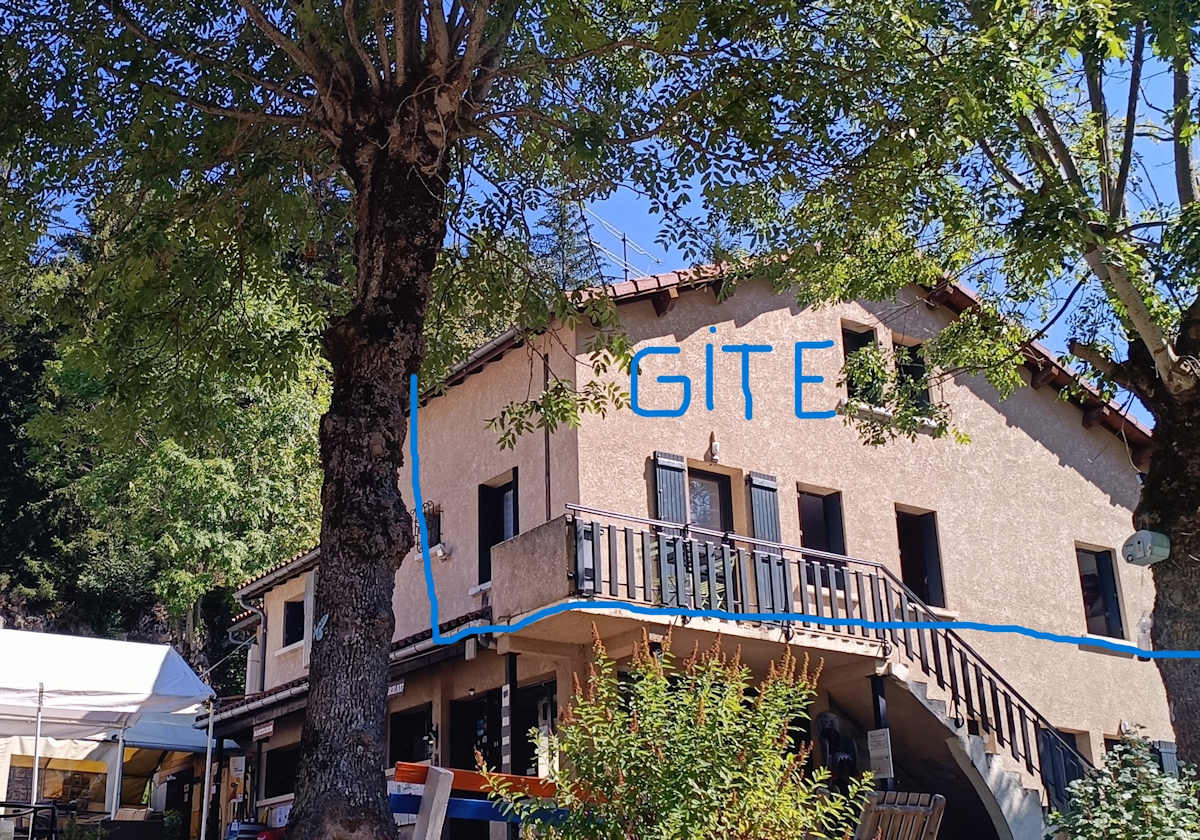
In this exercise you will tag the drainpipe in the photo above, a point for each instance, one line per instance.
(546, 434)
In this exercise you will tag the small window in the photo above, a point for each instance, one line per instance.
(1097, 580)
(409, 734)
(911, 371)
(710, 502)
(279, 771)
(920, 560)
(853, 340)
(293, 622)
(433, 523)
(497, 518)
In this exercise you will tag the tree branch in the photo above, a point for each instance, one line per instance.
(1061, 151)
(1116, 280)
(1185, 174)
(1135, 84)
(1125, 374)
(381, 43)
(1002, 167)
(357, 45)
(198, 57)
(290, 47)
(207, 107)
(439, 35)
(1094, 75)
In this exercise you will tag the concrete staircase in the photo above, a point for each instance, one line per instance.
(1016, 799)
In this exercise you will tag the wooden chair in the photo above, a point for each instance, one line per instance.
(892, 815)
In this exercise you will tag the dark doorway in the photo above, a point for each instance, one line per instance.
(534, 707)
(179, 793)
(920, 560)
(474, 725)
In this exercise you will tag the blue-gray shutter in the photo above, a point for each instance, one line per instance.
(832, 504)
(1167, 758)
(764, 506)
(670, 475)
(1108, 588)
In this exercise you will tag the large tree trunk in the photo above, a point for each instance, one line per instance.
(1170, 503)
(366, 529)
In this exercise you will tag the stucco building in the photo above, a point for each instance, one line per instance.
(710, 510)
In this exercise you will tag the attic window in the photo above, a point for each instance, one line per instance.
(293, 622)
(855, 338)
(911, 370)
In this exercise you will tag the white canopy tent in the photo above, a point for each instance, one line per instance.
(54, 686)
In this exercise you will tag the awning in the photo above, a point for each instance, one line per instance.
(87, 686)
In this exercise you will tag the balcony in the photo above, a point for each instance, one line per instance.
(811, 598)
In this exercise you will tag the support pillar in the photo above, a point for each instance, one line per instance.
(508, 696)
(879, 705)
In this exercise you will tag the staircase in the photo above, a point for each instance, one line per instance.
(1017, 763)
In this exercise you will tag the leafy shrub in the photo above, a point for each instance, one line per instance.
(1131, 798)
(694, 753)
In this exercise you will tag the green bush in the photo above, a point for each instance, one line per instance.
(692, 753)
(1131, 798)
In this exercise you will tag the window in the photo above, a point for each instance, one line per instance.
(920, 560)
(409, 734)
(497, 518)
(821, 522)
(1098, 581)
(293, 622)
(853, 340)
(821, 530)
(279, 771)
(433, 523)
(911, 370)
(710, 503)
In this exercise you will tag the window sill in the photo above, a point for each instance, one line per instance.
(440, 551)
(275, 800)
(880, 414)
(943, 613)
(289, 648)
(480, 588)
(1107, 651)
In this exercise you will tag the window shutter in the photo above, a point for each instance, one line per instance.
(933, 561)
(833, 523)
(670, 474)
(1108, 588)
(1166, 757)
(764, 506)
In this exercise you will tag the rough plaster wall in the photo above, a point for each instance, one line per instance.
(289, 664)
(458, 453)
(1010, 505)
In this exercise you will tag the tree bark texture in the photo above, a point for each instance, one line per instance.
(366, 528)
(1170, 503)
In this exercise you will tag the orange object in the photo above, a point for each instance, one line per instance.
(470, 781)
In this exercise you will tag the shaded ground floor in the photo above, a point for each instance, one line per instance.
(500, 695)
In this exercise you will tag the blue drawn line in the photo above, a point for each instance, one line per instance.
(645, 609)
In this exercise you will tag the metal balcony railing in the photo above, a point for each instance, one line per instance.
(667, 564)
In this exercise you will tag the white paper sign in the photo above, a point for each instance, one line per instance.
(879, 745)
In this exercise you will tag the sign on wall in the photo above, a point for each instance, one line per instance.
(879, 745)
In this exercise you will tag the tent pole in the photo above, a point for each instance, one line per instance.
(37, 756)
(207, 775)
(116, 803)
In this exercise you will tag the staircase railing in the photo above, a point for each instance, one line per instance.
(667, 564)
